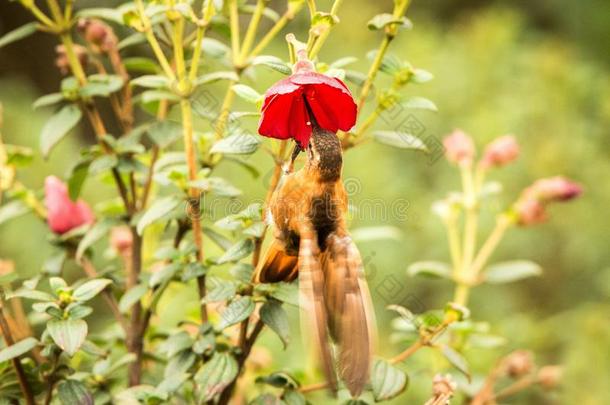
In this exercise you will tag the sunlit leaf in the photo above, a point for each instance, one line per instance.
(17, 349)
(274, 316)
(387, 381)
(18, 33)
(507, 272)
(215, 375)
(400, 140)
(157, 210)
(238, 310)
(430, 269)
(90, 289)
(68, 334)
(58, 127)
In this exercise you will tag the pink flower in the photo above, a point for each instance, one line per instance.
(501, 151)
(121, 239)
(459, 147)
(64, 214)
(530, 211)
(294, 104)
(530, 208)
(556, 189)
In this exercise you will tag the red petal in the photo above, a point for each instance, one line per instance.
(320, 109)
(275, 119)
(284, 86)
(300, 124)
(332, 107)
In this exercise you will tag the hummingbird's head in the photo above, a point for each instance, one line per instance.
(324, 154)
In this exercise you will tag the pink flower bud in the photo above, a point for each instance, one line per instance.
(64, 214)
(459, 147)
(501, 151)
(61, 60)
(99, 34)
(529, 212)
(519, 363)
(121, 239)
(556, 189)
(549, 377)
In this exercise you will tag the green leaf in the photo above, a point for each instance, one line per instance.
(48, 99)
(101, 85)
(430, 269)
(342, 62)
(217, 238)
(273, 63)
(421, 76)
(17, 349)
(132, 296)
(58, 127)
(214, 48)
(157, 210)
(380, 21)
(294, 397)
(419, 103)
(97, 232)
(166, 273)
(176, 343)
(237, 252)
(151, 82)
(108, 14)
(31, 295)
(456, 360)
(387, 381)
(90, 289)
(286, 292)
(164, 133)
(151, 96)
(358, 78)
(237, 144)
(220, 289)
(215, 375)
(57, 284)
(238, 310)
(400, 140)
(17, 155)
(68, 334)
(72, 392)
(139, 64)
(279, 380)
(247, 93)
(274, 316)
(76, 178)
(103, 163)
(507, 272)
(216, 76)
(18, 33)
(12, 210)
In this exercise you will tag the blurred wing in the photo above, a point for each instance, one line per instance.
(350, 314)
(276, 266)
(311, 301)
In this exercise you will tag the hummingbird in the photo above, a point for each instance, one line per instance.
(312, 243)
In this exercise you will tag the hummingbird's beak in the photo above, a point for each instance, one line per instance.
(295, 152)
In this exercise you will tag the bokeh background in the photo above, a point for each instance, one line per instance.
(539, 70)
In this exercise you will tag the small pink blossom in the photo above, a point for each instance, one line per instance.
(556, 189)
(459, 147)
(64, 214)
(121, 239)
(531, 206)
(501, 151)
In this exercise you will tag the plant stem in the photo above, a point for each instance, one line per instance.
(251, 32)
(324, 35)
(234, 24)
(225, 109)
(152, 40)
(370, 77)
(8, 339)
(390, 33)
(502, 224)
(277, 27)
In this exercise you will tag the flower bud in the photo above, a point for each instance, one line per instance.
(556, 189)
(443, 385)
(121, 239)
(549, 377)
(459, 147)
(64, 214)
(98, 34)
(519, 363)
(529, 212)
(501, 151)
(62, 62)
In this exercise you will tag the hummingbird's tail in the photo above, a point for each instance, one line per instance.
(351, 318)
(276, 266)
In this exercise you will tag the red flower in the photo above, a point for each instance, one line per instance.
(64, 214)
(294, 104)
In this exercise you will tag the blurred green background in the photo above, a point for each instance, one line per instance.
(539, 70)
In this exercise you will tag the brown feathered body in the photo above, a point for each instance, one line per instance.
(312, 242)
